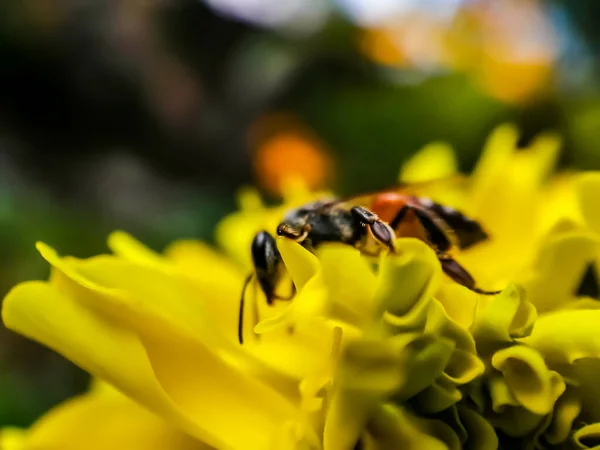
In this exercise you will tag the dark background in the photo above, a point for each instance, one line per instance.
(149, 115)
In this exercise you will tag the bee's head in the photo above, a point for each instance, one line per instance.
(296, 223)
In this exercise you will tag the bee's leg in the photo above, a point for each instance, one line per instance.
(380, 230)
(241, 312)
(399, 217)
(459, 274)
(437, 237)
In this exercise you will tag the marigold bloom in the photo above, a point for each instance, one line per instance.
(372, 353)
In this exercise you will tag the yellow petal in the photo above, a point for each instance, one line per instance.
(423, 362)
(441, 395)
(528, 378)
(434, 161)
(12, 438)
(518, 422)
(463, 367)
(496, 155)
(301, 264)
(566, 336)
(98, 422)
(149, 287)
(235, 232)
(566, 411)
(459, 302)
(309, 304)
(560, 268)
(588, 189)
(377, 365)
(505, 195)
(481, 435)
(500, 394)
(249, 199)
(153, 362)
(198, 260)
(559, 209)
(350, 283)
(406, 283)
(346, 418)
(370, 370)
(583, 376)
(296, 351)
(292, 436)
(394, 427)
(124, 245)
(588, 436)
(212, 275)
(495, 321)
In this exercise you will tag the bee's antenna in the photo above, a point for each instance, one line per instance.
(241, 314)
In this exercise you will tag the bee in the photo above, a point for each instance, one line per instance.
(369, 223)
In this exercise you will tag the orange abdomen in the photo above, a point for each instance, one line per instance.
(388, 204)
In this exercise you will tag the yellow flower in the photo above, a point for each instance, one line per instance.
(95, 421)
(374, 353)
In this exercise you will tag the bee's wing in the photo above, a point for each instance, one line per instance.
(446, 190)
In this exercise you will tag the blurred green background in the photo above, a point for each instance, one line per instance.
(148, 115)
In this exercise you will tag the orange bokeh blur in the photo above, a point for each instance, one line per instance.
(508, 48)
(284, 150)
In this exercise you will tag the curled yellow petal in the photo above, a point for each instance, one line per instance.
(350, 283)
(494, 323)
(371, 370)
(463, 367)
(518, 422)
(437, 397)
(566, 411)
(406, 283)
(588, 436)
(459, 303)
(376, 365)
(528, 378)
(500, 394)
(394, 427)
(300, 263)
(481, 435)
(423, 361)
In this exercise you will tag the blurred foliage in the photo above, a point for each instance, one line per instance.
(142, 115)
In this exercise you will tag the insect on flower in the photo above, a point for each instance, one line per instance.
(370, 223)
